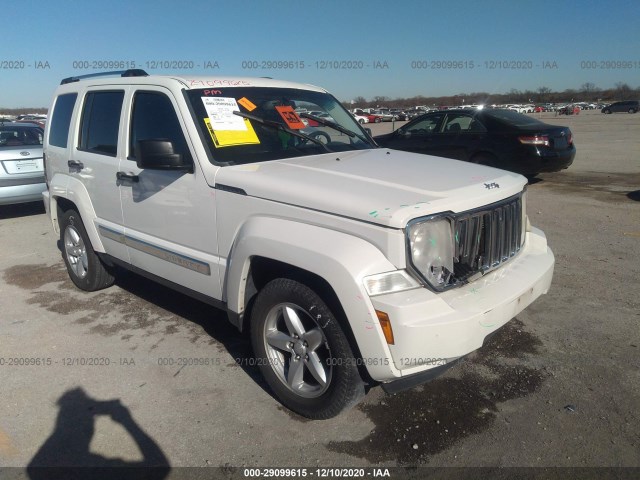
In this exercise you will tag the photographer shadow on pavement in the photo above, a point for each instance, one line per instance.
(65, 454)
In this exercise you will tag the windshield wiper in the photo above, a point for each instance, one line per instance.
(279, 126)
(333, 125)
(328, 123)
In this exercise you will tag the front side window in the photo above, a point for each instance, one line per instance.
(100, 122)
(154, 118)
(273, 123)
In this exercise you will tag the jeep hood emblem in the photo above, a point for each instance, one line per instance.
(491, 186)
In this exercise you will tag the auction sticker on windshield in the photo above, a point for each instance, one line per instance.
(225, 128)
(220, 111)
(230, 138)
(291, 118)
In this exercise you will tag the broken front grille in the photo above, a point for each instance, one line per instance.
(486, 238)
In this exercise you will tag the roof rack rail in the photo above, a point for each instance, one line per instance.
(132, 72)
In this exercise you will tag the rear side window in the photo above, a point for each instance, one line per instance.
(62, 110)
(100, 122)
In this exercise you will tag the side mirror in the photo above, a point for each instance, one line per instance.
(159, 154)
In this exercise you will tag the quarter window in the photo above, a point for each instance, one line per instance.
(100, 122)
(59, 131)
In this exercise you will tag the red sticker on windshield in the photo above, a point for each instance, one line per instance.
(290, 117)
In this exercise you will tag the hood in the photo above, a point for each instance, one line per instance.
(382, 186)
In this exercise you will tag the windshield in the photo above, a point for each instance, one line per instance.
(273, 123)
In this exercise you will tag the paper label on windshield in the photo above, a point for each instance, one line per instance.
(230, 138)
(220, 111)
(290, 117)
(246, 103)
(225, 128)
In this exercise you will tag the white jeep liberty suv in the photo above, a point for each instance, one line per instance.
(350, 265)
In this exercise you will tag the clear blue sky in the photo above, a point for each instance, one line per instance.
(567, 36)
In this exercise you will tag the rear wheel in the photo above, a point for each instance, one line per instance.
(631, 110)
(302, 351)
(85, 268)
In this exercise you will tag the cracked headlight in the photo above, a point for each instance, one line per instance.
(430, 244)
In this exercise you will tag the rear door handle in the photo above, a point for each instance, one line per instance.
(127, 176)
(76, 165)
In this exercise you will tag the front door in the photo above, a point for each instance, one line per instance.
(169, 215)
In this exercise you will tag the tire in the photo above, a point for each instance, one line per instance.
(631, 110)
(607, 111)
(85, 268)
(378, 120)
(303, 352)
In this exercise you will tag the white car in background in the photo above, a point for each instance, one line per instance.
(361, 118)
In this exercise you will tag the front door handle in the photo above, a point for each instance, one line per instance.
(120, 176)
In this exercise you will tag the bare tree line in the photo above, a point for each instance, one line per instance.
(588, 92)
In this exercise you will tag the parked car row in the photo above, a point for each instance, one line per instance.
(39, 120)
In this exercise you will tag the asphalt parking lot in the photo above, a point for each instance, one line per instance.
(160, 377)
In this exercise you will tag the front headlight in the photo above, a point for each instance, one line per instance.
(430, 244)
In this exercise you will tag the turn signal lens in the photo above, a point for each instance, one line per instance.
(385, 323)
(389, 282)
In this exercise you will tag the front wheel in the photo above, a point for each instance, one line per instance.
(303, 352)
(631, 110)
(85, 268)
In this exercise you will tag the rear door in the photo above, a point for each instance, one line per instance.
(96, 160)
(459, 135)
